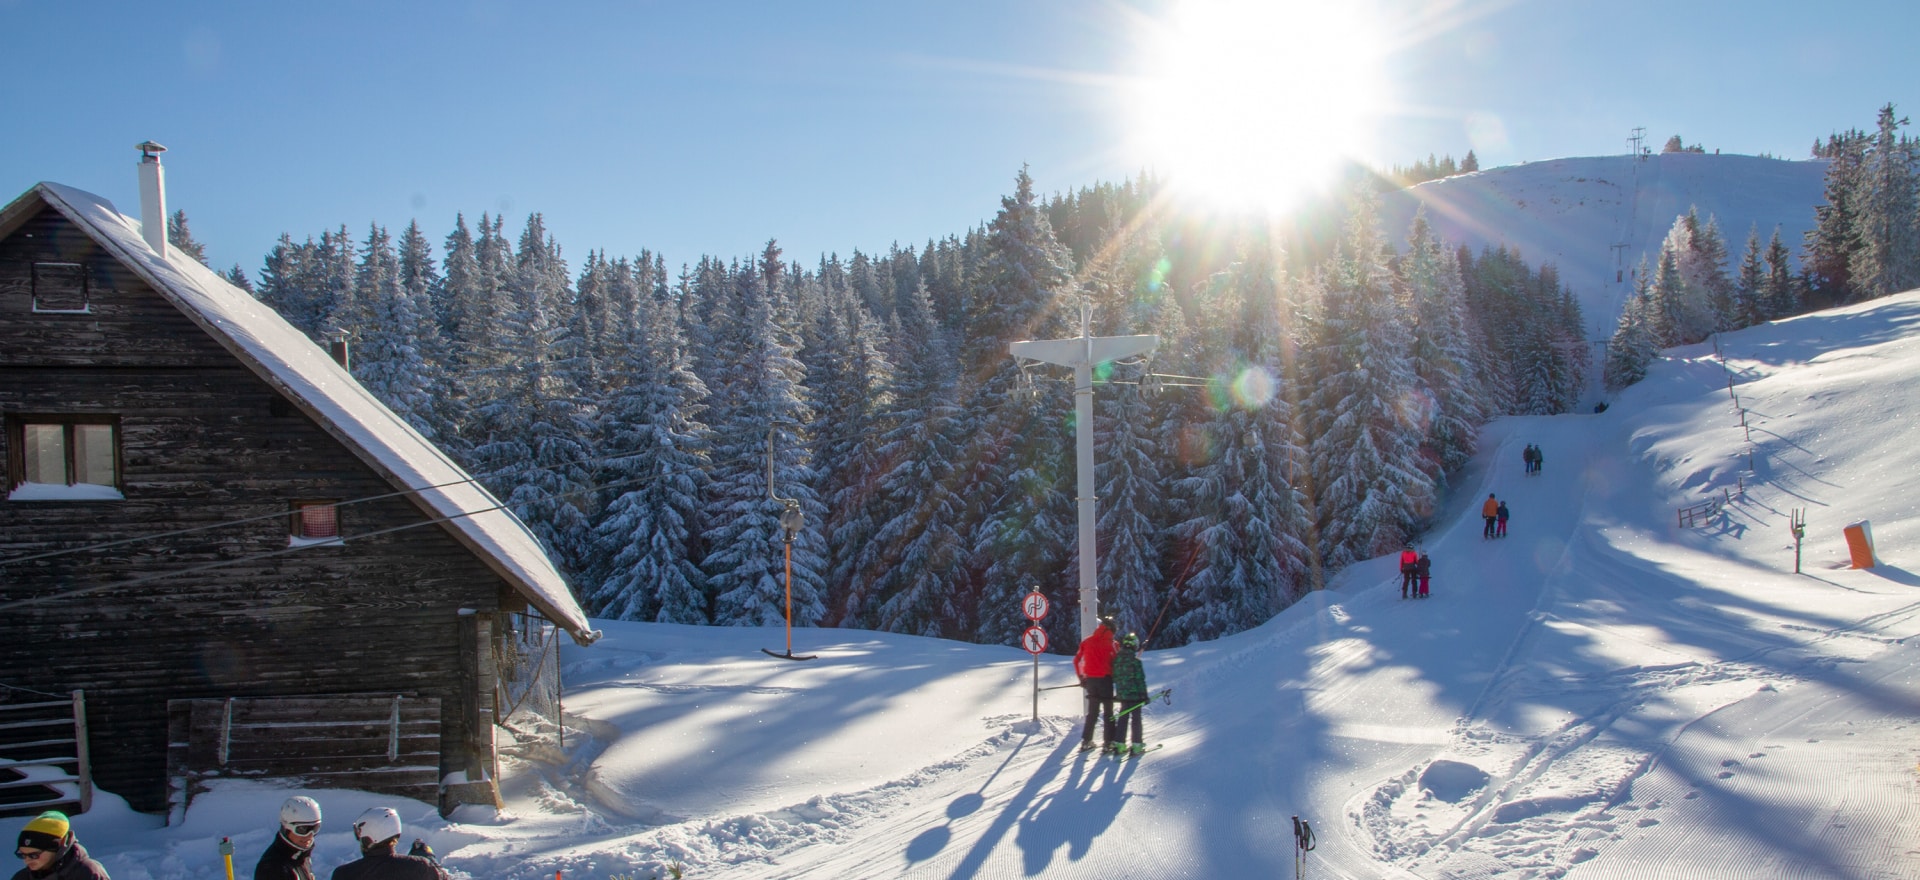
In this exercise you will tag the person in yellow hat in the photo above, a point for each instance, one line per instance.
(49, 851)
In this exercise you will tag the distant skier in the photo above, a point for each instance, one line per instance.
(1490, 511)
(1526, 456)
(1425, 569)
(1094, 664)
(1500, 516)
(1408, 559)
(1130, 688)
(1539, 458)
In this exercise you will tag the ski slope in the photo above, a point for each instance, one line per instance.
(1600, 694)
(1597, 217)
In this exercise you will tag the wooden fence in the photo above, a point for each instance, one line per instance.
(1697, 514)
(386, 743)
(43, 756)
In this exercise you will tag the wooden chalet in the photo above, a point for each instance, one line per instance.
(209, 527)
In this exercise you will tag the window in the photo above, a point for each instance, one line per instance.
(314, 522)
(60, 288)
(63, 458)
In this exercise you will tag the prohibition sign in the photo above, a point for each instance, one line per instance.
(1034, 606)
(1034, 640)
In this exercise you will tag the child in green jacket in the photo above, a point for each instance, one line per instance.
(1130, 688)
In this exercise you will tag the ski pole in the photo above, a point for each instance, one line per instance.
(1059, 686)
(1164, 695)
(226, 853)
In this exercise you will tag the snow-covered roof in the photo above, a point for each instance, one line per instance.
(286, 359)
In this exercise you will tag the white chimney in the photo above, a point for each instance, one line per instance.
(153, 198)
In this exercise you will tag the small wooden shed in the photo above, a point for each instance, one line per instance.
(207, 522)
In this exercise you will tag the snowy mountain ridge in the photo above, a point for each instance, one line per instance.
(1597, 217)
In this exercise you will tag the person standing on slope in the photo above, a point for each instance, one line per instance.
(1490, 511)
(1500, 525)
(1407, 560)
(1526, 457)
(1130, 688)
(1094, 664)
(1539, 458)
(1424, 568)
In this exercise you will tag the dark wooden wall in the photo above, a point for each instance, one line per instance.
(204, 442)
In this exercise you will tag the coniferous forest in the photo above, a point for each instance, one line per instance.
(632, 415)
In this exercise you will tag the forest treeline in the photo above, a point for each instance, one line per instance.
(633, 416)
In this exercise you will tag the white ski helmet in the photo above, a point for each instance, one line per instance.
(377, 826)
(300, 811)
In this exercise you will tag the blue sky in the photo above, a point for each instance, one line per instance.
(708, 128)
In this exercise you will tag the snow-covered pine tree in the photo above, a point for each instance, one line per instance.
(1365, 450)
(1442, 352)
(1780, 295)
(284, 285)
(1748, 282)
(1834, 238)
(420, 282)
(904, 577)
(1633, 345)
(760, 399)
(180, 237)
(536, 426)
(1667, 317)
(850, 377)
(1247, 527)
(389, 357)
(654, 458)
(1887, 218)
(1019, 454)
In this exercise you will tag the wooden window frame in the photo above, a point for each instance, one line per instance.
(16, 427)
(84, 293)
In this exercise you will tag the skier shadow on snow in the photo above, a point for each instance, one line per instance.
(1071, 816)
(1086, 805)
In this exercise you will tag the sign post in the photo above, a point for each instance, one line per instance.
(1034, 606)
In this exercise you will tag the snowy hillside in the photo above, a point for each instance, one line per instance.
(1573, 213)
(1602, 694)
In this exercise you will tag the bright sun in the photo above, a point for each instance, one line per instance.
(1249, 104)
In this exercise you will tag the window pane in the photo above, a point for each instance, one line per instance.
(93, 455)
(46, 453)
(318, 521)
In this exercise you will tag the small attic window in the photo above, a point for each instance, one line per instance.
(314, 522)
(60, 289)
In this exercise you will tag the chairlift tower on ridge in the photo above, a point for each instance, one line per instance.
(1082, 353)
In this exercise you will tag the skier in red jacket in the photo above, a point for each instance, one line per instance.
(1094, 664)
(1407, 560)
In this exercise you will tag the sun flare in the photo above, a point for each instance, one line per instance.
(1249, 104)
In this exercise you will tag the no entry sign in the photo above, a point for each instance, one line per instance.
(1034, 640)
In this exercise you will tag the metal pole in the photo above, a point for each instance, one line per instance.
(1036, 688)
(1083, 462)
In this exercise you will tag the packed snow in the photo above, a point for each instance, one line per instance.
(1603, 693)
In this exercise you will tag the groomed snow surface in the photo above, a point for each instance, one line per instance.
(1601, 694)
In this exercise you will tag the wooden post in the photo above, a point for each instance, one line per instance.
(84, 762)
(1799, 531)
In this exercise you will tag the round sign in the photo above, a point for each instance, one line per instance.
(1034, 640)
(1034, 606)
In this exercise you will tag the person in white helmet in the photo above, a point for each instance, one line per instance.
(378, 831)
(290, 856)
